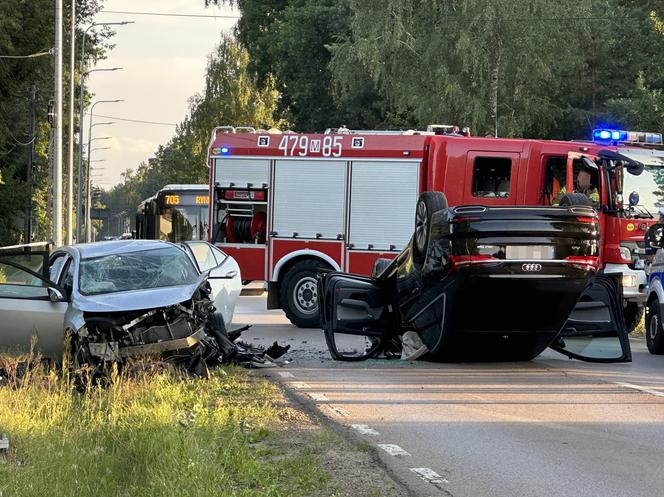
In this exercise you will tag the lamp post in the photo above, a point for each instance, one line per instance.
(88, 202)
(79, 199)
(88, 222)
(70, 164)
(80, 122)
(57, 164)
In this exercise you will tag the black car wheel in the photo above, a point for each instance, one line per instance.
(427, 205)
(299, 293)
(654, 332)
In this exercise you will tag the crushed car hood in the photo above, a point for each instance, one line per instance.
(137, 299)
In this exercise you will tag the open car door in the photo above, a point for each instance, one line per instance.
(31, 306)
(356, 315)
(596, 330)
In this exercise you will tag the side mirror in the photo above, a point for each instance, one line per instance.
(635, 168)
(55, 295)
(634, 199)
(654, 236)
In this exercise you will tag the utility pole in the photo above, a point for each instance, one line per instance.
(29, 164)
(70, 168)
(57, 169)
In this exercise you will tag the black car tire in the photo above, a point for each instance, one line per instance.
(633, 314)
(570, 199)
(654, 331)
(299, 293)
(427, 205)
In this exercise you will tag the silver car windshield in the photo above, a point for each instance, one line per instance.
(155, 268)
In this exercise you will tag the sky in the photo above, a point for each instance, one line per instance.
(163, 62)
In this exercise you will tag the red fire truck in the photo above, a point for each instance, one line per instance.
(288, 205)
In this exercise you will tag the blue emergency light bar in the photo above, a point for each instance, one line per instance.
(620, 136)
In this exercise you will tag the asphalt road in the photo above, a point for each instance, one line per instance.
(549, 427)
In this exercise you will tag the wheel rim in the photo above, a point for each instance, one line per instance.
(654, 326)
(421, 226)
(305, 296)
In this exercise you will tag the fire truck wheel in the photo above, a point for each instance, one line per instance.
(633, 314)
(654, 332)
(569, 199)
(427, 204)
(299, 293)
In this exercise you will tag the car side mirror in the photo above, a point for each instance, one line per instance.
(55, 295)
(655, 235)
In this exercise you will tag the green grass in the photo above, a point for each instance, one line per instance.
(153, 434)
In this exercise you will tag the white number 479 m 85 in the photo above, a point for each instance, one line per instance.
(294, 145)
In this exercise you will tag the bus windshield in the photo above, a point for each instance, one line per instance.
(183, 222)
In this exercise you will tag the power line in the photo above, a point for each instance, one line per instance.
(167, 14)
(136, 120)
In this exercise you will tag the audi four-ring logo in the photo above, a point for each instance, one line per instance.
(531, 268)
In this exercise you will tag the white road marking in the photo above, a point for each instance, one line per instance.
(285, 374)
(299, 384)
(364, 430)
(657, 393)
(319, 397)
(429, 475)
(393, 450)
(337, 411)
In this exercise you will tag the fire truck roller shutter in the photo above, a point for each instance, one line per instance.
(241, 172)
(382, 208)
(309, 198)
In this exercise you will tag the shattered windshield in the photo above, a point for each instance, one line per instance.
(168, 266)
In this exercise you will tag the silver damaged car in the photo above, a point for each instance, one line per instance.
(113, 300)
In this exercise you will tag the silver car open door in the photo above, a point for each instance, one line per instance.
(32, 308)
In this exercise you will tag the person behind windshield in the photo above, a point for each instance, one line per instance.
(583, 185)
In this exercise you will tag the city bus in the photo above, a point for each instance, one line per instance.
(175, 213)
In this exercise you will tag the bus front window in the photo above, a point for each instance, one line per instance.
(183, 223)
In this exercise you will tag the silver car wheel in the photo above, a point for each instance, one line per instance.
(421, 226)
(653, 329)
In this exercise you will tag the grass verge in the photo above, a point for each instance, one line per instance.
(155, 433)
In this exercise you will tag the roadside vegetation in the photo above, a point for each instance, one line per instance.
(152, 432)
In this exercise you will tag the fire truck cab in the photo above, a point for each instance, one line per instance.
(289, 205)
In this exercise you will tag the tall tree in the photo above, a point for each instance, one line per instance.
(290, 41)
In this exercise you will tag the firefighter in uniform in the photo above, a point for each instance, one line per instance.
(583, 185)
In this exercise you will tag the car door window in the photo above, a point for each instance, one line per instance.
(203, 255)
(17, 282)
(219, 255)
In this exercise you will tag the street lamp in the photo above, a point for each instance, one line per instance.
(79, 199)
(80, 135)
(88, 221)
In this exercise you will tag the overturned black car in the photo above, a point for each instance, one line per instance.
(482, 283)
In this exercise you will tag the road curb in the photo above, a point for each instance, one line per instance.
(308, 405)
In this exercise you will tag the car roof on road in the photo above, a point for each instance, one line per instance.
(113, 247)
